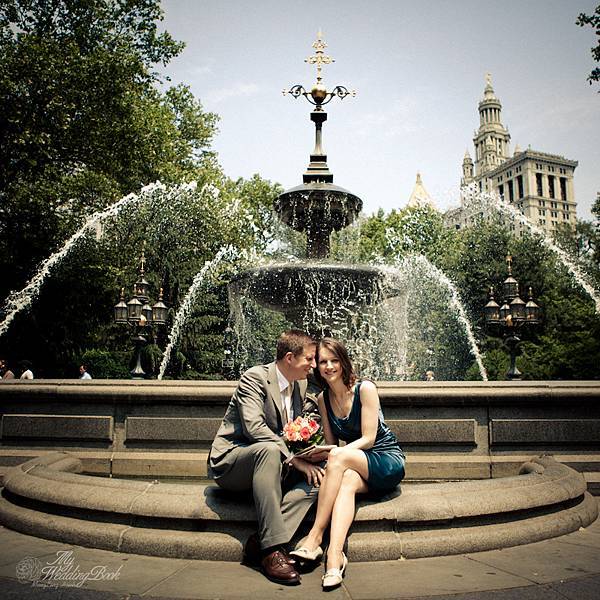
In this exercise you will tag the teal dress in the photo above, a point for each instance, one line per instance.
(385, 458)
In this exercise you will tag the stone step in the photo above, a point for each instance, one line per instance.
(47, 497)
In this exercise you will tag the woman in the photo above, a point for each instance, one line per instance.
(371, 460)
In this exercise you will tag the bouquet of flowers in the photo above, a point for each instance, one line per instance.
(303, 433)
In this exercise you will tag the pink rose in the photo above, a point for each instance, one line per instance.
(305, 433)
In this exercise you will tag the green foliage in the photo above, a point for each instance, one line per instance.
(81, 121)
(103, 364)
(412, 230)
(594, 21)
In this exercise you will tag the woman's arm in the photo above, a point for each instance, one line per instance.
(369, 399)
(321, 453)
(330, 439)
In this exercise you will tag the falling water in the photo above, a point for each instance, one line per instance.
(415, 264)
(206, 274)
(21, 300)
(474, 198)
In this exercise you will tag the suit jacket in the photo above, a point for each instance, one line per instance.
(254, 414)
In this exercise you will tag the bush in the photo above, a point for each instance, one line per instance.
(103, 364)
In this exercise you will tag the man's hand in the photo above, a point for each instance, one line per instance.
(313, 473)
(319, 454)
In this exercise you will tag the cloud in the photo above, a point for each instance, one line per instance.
(233, 91)
(397, 120)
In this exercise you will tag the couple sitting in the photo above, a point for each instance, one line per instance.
(249, 453)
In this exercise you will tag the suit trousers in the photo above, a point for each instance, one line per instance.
(281, 505)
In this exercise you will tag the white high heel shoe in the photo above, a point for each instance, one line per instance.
(334, 577)
(305, 554)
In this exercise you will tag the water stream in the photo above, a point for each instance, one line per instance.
(204, 277)
(474, 199)
(18, 301)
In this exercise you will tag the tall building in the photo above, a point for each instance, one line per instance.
(538, 184)
(420, 196)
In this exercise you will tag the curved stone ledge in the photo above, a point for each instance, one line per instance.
(47, 498)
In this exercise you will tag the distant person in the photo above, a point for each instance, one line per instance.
(5, 370)
(429, 376)
(27, 373)
(83, 372)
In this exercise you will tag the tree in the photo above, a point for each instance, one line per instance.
(81, 120)
(594, 21)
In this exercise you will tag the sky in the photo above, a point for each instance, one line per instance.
(418, 69)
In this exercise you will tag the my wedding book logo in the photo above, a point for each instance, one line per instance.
(62, 571)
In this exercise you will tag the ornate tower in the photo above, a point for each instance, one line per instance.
(467, 169)
(492, 138)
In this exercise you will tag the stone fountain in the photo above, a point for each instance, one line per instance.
(68, 449)
(316, 294)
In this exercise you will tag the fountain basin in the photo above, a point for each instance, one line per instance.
(47, 497)
(303, 289)
(317, 204)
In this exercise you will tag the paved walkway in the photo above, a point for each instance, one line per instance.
(565, 567)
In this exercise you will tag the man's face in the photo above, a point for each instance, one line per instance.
(301, 365)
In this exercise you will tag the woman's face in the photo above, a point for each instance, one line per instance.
(329, 365)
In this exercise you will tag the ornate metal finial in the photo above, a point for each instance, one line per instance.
(142, 263)
(488, 79)
(319, 95)
(319, 58)
(509, 264)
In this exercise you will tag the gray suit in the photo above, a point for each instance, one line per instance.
(248, 452)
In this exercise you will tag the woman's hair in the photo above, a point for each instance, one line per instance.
(339, 350)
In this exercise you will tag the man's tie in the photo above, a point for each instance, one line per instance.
(288, 392)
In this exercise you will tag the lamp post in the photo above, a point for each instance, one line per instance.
(227, 364)
(511, 316)
(138, 314)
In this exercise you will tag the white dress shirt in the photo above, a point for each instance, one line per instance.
(285, 391)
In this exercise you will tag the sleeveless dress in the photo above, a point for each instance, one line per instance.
(385, 458)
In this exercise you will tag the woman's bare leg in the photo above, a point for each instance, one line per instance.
(340, 460)
(343, 515)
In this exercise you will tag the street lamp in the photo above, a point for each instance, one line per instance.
(227, 364)
(511, 316)
(140, 316)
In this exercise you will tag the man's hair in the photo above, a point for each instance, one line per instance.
(294, 341)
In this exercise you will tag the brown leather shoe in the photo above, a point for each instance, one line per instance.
(253, 555)
(276, 568)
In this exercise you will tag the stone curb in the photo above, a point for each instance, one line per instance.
(187, 521)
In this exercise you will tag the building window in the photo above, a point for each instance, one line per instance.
(551, 169)
(554, 214)
(542, 212)
(563, 188)
(511, 194)
(554, 204)
(566, 216)
(520, 186)
(501, 191)
(551, 186)
(538, 183)
(542, 203)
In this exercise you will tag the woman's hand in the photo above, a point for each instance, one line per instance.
(313, 473)
(319, 453)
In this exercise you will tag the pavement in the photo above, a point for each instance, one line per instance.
(565, 567)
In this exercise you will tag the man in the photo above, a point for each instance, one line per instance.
(83, 372)
(5, 370)
(26, 373)
(249, 453)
